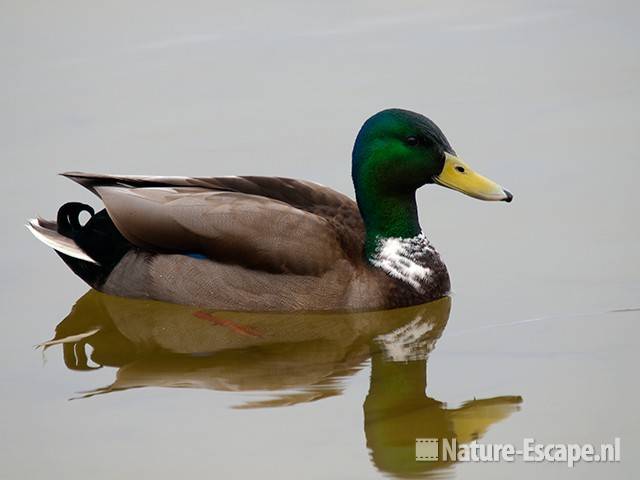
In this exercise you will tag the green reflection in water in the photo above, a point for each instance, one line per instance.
(293, 358)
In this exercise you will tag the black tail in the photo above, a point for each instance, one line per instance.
(99, 238)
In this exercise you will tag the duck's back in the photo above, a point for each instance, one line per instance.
(243, 243)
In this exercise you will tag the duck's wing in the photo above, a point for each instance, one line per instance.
(268, 223)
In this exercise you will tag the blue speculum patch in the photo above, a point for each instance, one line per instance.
(199, 256)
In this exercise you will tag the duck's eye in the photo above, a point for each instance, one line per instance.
(412, 141)
(460, 169)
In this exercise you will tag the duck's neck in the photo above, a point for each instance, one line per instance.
(386, 215)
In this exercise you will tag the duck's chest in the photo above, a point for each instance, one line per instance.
(414, 270)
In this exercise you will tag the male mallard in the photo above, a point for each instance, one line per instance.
(269, 243)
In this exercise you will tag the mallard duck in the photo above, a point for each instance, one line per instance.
(270, 243)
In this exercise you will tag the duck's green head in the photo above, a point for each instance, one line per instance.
(395, 153)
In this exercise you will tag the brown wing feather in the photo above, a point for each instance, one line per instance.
(269, 223)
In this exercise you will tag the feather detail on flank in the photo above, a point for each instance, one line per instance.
(401, 259)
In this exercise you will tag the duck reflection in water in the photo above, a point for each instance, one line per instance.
(293, 358)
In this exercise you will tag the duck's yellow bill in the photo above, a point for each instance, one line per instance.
(457, 175)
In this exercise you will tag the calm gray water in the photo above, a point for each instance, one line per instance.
(540, 96)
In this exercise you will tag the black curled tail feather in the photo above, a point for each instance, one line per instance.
(69, 218)
(99, 238)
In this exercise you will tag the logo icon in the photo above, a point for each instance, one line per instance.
(426, 449)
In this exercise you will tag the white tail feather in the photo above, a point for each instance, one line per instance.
(57, 241)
